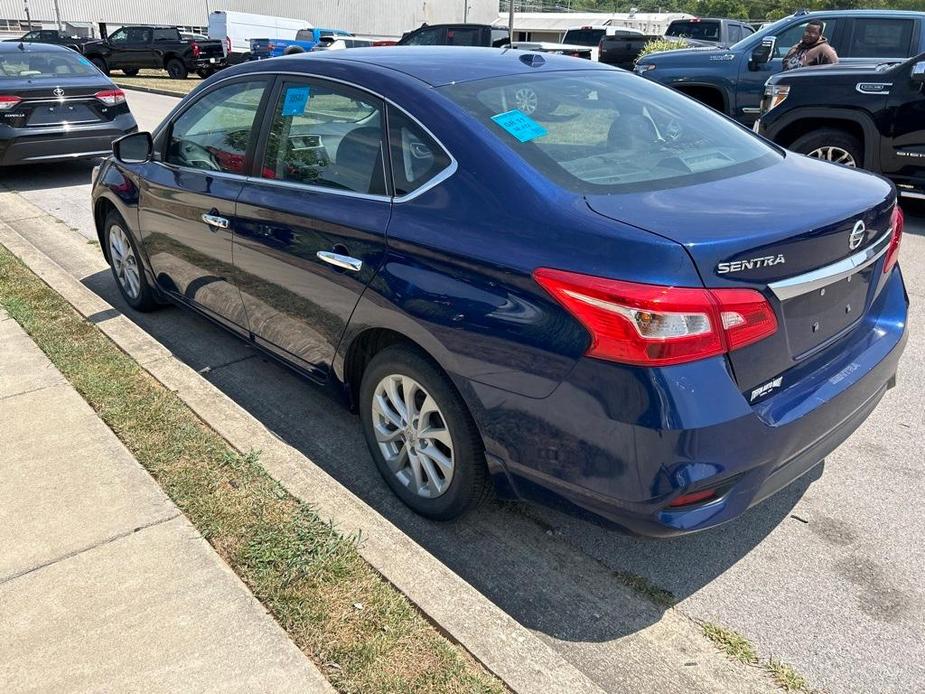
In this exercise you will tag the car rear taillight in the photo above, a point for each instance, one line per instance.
(197, 51)
(227, 45)
(652, 325)
(898, 221)
(111, 97)
(8, 102)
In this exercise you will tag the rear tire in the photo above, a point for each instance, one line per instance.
(126, 264)
(434, 479)
(100, 64)
(176, 70)
(293, 50)
(130, 71)
(206, 72)
(831, 144)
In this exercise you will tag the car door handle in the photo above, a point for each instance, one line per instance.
(215, 221)
(344, 262)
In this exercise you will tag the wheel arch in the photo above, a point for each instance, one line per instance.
(802, 121)
(716, 96)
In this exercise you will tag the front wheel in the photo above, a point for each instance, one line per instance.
(176, 70)
(126, 265)
(831, 144)
(421, 435)
(130, 71)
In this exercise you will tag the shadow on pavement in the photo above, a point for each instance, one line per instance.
(508, 551)
(46, 176)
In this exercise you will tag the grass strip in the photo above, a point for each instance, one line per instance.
(157, 79)
(362, 632)
(737, 647)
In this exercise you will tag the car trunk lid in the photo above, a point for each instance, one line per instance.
(738, 235)
(50, 102)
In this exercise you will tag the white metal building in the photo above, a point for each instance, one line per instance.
(551, 26)
(370, 17)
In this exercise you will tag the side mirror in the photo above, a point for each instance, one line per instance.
(762, 53)
(918, 72)
(133, 149)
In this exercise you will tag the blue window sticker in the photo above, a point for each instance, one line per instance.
(520, 125)
(84, 61)
(295, 101)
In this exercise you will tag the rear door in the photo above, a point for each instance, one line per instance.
(186, 213)
(310, 229)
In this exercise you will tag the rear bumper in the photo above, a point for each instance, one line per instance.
(37, 145)
(623, 442)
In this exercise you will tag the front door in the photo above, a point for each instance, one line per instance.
(903, 154)
(188, 197)
(752, 78)
(310, 230)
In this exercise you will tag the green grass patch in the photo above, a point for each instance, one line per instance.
(363, 633)
(739, 648)
(157, 79)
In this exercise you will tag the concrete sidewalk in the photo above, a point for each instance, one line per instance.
(104, 584)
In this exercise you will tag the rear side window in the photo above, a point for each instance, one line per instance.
(881, 38)
(166, 35)
(416, 156)
(463, 36)
(326, 136)
(215, 132)
(584, 37)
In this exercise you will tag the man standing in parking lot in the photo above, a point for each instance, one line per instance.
(814, 49)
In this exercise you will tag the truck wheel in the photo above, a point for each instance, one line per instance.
(130, 71)
(831, 144)
(100, 65)
(176, 69)
(293, 50)
(205, 72)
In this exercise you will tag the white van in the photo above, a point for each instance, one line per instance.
(236, 29)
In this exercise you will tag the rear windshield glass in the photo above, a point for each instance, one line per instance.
(700, 31)
(44, 65)
(584, 37)
(609, 131)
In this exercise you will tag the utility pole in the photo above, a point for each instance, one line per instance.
(510, 21)
(57, 15)
(28, 19)
(465, 11)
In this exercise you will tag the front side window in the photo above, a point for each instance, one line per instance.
(327, 136)
(788, 38)
(694, 29)
(881, 38)
(584, 37)
(138, 35)
(416, 156)
(214, 134)
(119, 36)
(603, 131)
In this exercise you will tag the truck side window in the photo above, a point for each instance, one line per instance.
(881, 38)
(792, 35)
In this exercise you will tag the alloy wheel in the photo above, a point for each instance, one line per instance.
(526, 100)
(836, 155)
(124, 262)
(413, 436)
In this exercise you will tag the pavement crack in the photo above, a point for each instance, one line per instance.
(76, 552)
(212, 369)
(33, 390)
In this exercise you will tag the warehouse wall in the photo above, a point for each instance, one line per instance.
(381, 17)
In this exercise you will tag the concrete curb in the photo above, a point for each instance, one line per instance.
(150, 90)
(503, 646)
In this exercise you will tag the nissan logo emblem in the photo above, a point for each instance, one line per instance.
(856, 238)
(58, 92)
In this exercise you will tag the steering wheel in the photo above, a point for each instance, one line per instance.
(197, 156)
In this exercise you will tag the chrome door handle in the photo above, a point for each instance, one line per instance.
(215, 221)
(344, 262)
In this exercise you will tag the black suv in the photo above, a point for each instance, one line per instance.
(58, 38)
(872, 116)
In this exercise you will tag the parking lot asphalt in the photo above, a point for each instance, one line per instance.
(822, 575)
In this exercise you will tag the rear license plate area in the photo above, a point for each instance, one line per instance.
(819, 315)
(62, 113)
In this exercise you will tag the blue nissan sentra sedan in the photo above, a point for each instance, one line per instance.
(622, 300)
